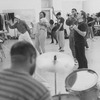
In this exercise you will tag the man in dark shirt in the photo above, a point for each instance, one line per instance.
(72, 19)
(23, 29)
(52, 30)
(60, 31)
(79, 34)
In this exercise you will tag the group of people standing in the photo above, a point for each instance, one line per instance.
(78, 30)
(16, 82)
(56, 31)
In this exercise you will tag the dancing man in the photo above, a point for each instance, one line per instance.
(23, 29)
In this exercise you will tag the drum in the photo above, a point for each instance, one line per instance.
(83, 82)
(65, 97)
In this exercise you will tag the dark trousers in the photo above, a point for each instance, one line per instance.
(80, 55)
(53, 36)
(72, 44)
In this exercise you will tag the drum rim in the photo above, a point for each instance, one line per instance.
(82, 69)
(61, 94)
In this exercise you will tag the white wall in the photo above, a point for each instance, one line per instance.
(21, 4)
(92, 6)
(66, 5)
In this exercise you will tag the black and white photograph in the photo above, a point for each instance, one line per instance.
(49, 49)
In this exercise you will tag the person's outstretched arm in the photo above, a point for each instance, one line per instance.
(27, 28)
(11, 26)
(53, 11)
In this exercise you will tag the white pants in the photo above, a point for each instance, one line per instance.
(40, 41)
(61, 39)
(25, 37)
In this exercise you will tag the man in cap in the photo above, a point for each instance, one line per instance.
(23, 29)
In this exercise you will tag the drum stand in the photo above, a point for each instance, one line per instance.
(55, 83)
(55, 76)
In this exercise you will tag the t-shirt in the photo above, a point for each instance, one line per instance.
(21, 26)
(89, 19)
(82, 26)
(71, 21)
(56, 26)
(17, 85)
(61, 21)
(45, 22)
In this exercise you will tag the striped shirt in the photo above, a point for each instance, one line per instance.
(21, 86)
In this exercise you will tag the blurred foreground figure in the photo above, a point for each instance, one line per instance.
(16, 82)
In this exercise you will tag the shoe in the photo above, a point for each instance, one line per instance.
(56, 43)
(59, 48)
(40, 53)
(51, 42)
(61, 51)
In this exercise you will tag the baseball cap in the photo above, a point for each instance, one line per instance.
(17, 16)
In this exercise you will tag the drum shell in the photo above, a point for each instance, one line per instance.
(91, 93)
(65, 97)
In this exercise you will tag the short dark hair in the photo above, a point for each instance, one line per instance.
(51, 22)
(21, 50)
(59, 13)
(43, 13)
(74, 9)
(84, 15)
(98, 14)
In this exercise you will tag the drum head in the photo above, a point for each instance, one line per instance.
(65, 97)
(81, 79)
(1, 41)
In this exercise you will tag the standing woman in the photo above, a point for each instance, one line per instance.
(41, 33)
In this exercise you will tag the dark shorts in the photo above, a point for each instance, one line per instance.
(0, 46)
